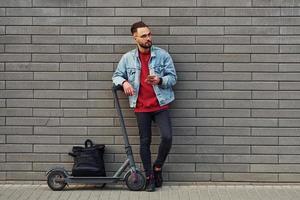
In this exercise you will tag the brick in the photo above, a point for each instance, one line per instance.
(257, 122)
(198, 104)
(244, 85)
(103, 57)
(271, 177)
(15, 21)
(2, 121)
(15, 3)
(292, 104)
(251, 49)
(183, 57)
(75, 112)
(275, 58)
(15, 57)
(289, 48)
(113, 3)
(187, 158)
(189, 176)
(253, 30)
(169, 3)
(87, 12)
(32, 48)
(16, 166)
(251, 67)
(250, 140)
(288, 122)
(276, 113)
(32, 66)
(32, 30)
(289, 141)
(292, 177)
(288, 95)
(142, 12)
(222, 131)
(275, 168)
(60, 94)
(195, 49)
(48, 113)
(60, 76)
(197, 140)
(85, 85)
(274, 21)
(184, 131)
(99, 94)
(252, 12)
(32, 103)
(275, 131)
(289, 159)
(223, 57)
(109, 40)
(2, 157)
(14, 39)
(117, 21)
(60, 130)
(58, 57)
(187, 76)
(275, 149)
(196, 11)
(290, 11)
(38, 148)
(220, 3)
(228, 21)
(265, 40)
(289, 86)
(58, 39)
(111, 131)
(15, 112)
(59, 3)
(251, 104)
(32, 12)
(223, 113)
(32, 84)
(190, 85)
(277, 76)
(16, 76)
(172, 21)
(186, 95)
(223, 40)
(21, 148)
(2, 13)
(34, 121)
(105, 113)
(250, 159)
(32, 157)
(191, 30)
(214, 76)
(16, 130)
(86, 122)
(178, 167)
(86, 48)
(265, 95)
(20, 139)
(86, 67)
(222, 167)
(289, 30)
(87, 103)
(223, 95)
(80, 139)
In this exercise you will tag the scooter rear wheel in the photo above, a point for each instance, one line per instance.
(55, 180)
(135, 181)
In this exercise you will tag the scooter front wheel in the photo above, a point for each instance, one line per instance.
(55, 180)
(135, 181)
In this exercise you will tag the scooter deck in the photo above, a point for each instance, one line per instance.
(92, 180)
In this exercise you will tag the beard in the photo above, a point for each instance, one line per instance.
(147, 45)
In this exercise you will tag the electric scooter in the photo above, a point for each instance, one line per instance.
(58, 177)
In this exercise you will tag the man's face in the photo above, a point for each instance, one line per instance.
(143, 37)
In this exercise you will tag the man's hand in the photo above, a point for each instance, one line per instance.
(128, 89)
(153, 80)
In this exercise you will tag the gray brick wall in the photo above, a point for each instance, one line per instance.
(237, 113)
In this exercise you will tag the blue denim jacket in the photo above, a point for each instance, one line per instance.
(129, 68)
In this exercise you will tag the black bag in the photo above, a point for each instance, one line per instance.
(88, 160)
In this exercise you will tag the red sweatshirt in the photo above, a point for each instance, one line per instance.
(147, 101)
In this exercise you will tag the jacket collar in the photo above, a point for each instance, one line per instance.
(153, 54)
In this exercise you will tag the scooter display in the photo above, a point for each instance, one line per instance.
(58, 177)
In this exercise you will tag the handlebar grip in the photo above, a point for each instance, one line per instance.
(117, 87)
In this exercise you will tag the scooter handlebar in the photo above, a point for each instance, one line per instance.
(117, 87)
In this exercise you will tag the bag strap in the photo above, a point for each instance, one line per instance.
(88, 142)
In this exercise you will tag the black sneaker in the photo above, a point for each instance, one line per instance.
(158, 179)
(150, 185)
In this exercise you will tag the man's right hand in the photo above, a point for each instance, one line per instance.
(128, 89)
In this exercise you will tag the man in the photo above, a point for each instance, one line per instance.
(147, 75)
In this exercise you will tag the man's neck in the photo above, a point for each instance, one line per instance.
(143, 50)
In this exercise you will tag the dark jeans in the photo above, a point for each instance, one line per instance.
(144, 120)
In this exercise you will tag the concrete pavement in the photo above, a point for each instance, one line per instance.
(168, 192)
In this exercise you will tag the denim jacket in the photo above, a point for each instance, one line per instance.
(129, 68)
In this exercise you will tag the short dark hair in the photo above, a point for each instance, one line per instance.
(137, 25)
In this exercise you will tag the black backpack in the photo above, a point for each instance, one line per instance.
(88, 160)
